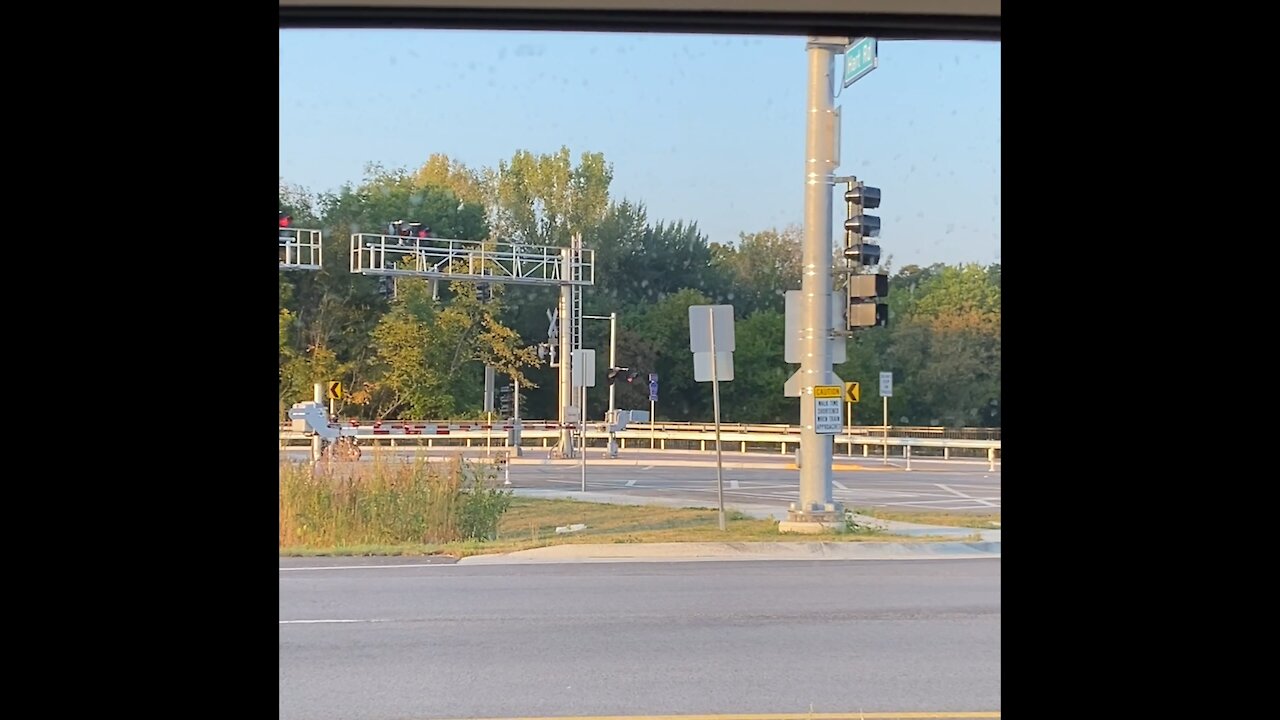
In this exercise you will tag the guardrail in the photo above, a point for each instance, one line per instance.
(644, 438)
(916, 431)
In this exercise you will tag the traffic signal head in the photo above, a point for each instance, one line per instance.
(864, 307)
(869, 286)
(868, 315)
(863, 225)
(285, 219)
(858, 227)
(631, 376)
(867, 198)
(863, 254)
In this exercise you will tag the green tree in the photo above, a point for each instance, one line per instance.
(762, 267)
(756, 393)
(665, 326)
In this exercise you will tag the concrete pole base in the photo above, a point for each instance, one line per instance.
(826, 518)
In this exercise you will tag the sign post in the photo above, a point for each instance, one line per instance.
(711, 339)
(317, 442)
(852, 394)
(583, 375)
(653, 401)
(886, 392)
(335, 394)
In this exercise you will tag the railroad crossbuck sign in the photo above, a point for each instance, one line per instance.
(852, 392)
(335, 391)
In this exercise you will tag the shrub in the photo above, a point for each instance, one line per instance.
(393, 501)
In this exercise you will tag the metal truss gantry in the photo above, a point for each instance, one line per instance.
(469, 260)
(300, 249)
(432, 258)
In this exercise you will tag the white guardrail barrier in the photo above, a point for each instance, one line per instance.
(643, 436)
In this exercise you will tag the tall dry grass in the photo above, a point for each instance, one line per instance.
(388, 501)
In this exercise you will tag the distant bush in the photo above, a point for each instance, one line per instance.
(388, 502)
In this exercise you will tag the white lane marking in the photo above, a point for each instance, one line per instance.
(327, 622)
(647, 467)
(838, 484)
(966, 497)
(953, 500)
(733, 483)
(631, 482)
(363, 567)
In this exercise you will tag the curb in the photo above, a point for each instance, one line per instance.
(737, 552)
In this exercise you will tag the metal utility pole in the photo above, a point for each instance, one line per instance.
(613, 363)
(317, 442)
(566, 352)
(816, 504)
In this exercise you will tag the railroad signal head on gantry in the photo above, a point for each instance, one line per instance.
(419, 230)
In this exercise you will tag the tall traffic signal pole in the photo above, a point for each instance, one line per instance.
(816, 504)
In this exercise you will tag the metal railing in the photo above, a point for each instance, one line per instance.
(643, 437)
(894, 431)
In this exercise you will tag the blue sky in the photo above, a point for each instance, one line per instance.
(698, 127)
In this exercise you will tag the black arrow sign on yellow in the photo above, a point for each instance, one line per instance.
(335, 391)
(852, 392)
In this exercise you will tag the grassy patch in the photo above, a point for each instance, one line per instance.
(531, 523)
(983, 520)
(390, 502)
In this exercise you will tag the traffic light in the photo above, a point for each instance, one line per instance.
(285, 219)
(504, 400)
(864, 307)
(631, 376)
(614, 372)
(484, 292)
(859, 227)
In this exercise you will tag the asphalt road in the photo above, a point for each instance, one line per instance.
(951, 485)
(918, 490)
(457, 641)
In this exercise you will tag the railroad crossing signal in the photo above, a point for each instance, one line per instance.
(852, 392)
(335, 391)
(504, 399)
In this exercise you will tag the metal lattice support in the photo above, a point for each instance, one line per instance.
(467, 260)
(300, 249)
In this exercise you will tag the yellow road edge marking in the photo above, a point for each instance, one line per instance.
(769, 716)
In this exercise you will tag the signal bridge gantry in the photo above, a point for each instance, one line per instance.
(471, 260)
(299, 249)
(434, 258)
